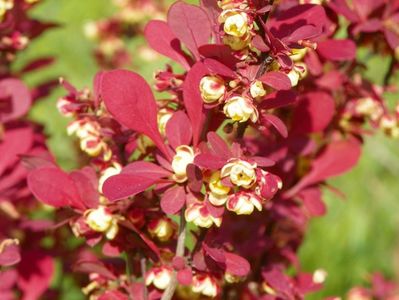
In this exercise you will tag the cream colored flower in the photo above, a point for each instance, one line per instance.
(298, 54)
(183, 157)
(235, 23)
(240, 109)
(244, 203)
(114, 169)
(162, 228)
(163, 117)
(237, 43)
(219, 192)
(100, 220)
(159, 277)
(5, 5)
(212, 88)
(370, 108)
(241, 172)
(205, 285)
(257, 89)
(390, 126)
(200, 216)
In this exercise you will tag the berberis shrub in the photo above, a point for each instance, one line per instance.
(206, 191)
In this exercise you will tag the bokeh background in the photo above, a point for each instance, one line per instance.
(358, 236)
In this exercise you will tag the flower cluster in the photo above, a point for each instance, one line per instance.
(207, 191)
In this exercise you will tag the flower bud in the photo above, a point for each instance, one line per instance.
(200, 216)
(183, 157)
(162, 228)
(92, 145)
(294, 77)
(244, 203)
(63, 106)
(257, 89)
(319, 276)
(268, 184)
(241, 172)
(163, 117)
(212, 88)
(369, 108)
(115, 169)
(298, 54)
(235, 23)
(390, 126)
(240, 109)
(205, 285)
(100, 220)
(160, 277)
(91, 30)
(5, 5)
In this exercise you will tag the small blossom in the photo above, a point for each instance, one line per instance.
(162, 228)
(235, 23)
(160, 277)
(237, 43)
(205, 284)
(257, 89)
(163, 116)
(5, 5)
(200, 216)
(319, 276)
(107, 173)
(212, 88)
(218, 194)
(298, 54)
(244, 203)
(100, 220)
(390, 126)
(183, 157)
(240, 109)
(369, 108)
(241, 172)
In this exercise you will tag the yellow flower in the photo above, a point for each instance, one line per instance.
(298, 54)
(237, 43)
(241, 172)
(100, 220)
(235, 23)
(257, 89)
(204, 284)
(240, 109)
(5, 5)
(159, 277)
(183, 157)
(200, 216)
(243, 204)
(162, 228)
(212, 88)
(218, 194)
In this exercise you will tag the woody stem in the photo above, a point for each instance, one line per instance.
(170, 290)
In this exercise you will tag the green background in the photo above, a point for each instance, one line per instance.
(359, 234)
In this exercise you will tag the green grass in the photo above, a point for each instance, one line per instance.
(358, 235)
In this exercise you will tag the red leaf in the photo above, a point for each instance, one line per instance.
(237, 265)
(218, 146)
(95, 266)
(337, 50)
(178, 130)
(263, 161)
(173, 200)
(9, 253)
(209, 161)
(36, 272)
(278, 99)
(336, 158)
(86, 187)
(313, 113)
(277, 123)
(162, 39)
(145, 169)
(54, 187)
(311, 198)
(193, 100)
(125, 185)
(129, 99)
(20, 98)
(218, 68)
(221, 53)
(190, 24)
(194, 176)
(276, 80)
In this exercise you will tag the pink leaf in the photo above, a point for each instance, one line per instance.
(129, 99)
(125, 185)
(218, 68)
(145, 169)
(311, 198)
(193, 100)
(20, 98)
(263, 161)
(173, 200)
(276, 80)
(278, 99)
(209, 161)
(337, 50)
(221, 53)
(336, 158)
(9, 253)
(162, 39)
(237, 265)
(218, 146)
(54, 187)
(277, 123)
(194, 176)
(190, 24)
(178, 130)
(36, 272)
(314, 113)
(87, 189)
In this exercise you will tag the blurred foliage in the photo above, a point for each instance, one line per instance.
(359, 234)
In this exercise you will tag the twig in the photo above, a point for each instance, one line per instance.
(170, 290)
(143, 270)
(390, 71)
